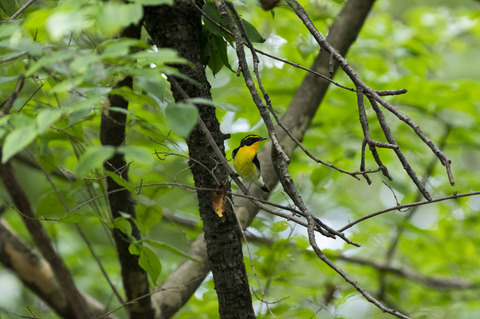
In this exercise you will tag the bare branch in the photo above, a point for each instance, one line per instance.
(370, 92)
(25, 6)
(363, 292)
(13, 57)
(400, 207)
(432, 282)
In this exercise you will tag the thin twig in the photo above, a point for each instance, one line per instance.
(300, 11)
(363, 292)
(433, 282)
(13, 57)
(372, 144)
(277, 119)
(403, 206)
(279, 157)
(280, 162)
(399, 153)
(297, 65)
(19, 11)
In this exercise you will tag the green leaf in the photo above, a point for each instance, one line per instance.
(123, 225)
(46, 118)
(319, 175)
(212, 12)
(75, 217)
(23, 44)
(181, 118)
(215, 62)
(81, 110)
(129, 95)
(82, 63)
(222, 51)
(121, 182)
(134, 248)
(9, 6)
(146, 218)
(160, 57)
(120, 47)
(223, 105)
(151, 81)
(169, 248)
(113, 16)
(69, 20)
(17, 140)
(93, 158)
(154, 2)
(48, 60)
(138, 154)
(280, 226)
(252, 32)
(150, 263)
(7, 30)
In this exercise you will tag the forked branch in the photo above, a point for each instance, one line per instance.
(374, 96)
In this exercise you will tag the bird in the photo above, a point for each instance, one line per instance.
(246, 162)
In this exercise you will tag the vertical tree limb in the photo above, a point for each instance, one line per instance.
(179, 27)
(112, 132)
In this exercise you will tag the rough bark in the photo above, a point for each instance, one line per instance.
(135, 279)
(179, 27)
(297, 118)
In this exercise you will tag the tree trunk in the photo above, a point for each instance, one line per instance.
(179, 27)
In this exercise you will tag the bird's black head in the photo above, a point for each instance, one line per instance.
(251, 139)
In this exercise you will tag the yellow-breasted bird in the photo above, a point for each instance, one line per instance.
(246, 162)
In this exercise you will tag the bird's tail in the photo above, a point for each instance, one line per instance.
(260, 183)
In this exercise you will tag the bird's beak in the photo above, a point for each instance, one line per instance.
(262, 138)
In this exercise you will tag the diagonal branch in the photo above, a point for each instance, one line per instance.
(368, 296)
(78, 308)
(37, 274)
(432, 282)
(334, 54)
(409, 205)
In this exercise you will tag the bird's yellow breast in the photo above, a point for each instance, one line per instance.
(243, 162)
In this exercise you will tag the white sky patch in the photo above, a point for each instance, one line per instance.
(273, 43)
(202, 289)
(231, 126)
(458, 214)
(474, 203)
(220, 79)
(11, 290)
(355, 307)
(425, 218)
